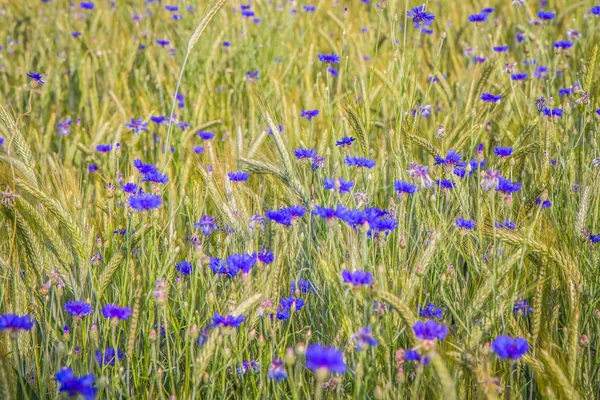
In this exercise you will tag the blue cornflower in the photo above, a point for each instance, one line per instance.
(546, 15)
(305, 154)
(155, 177)
(490, 98)
(221, 267)
(113, 311)
(158, 119)
(285, 216)
(36, 78)
(364, 338)
(452, 159)
(238, 176)
(229, 321)
(144, 169)
(265, 256)
(162, 42)
(277, 371)
(309, 114)
(482, 17)
(104, 148)
(565, 91)
(14, 323)
(488, 10)
(340, 184)
(412, 355)
(479, 60)
(74, 385)
(76, 34)
(144, 202)
(403, 187)
(301, 287)
(357, 278)
(309, 8)
(445, 184)
(184, 267)
(206, 224)
(465, 224)
(86, 5)
(92, 168)
(329, 58)
(137, 126)
(520, 37)
(198, 149)
(507, 224)
(333, 71)
(506, 186)
(78, 308)
(541, 72)
(360, 162)
(431, 311)
(430, 330)
(247, 13)
(563, 44)
(420, 17)
(519, 77)
(544, 204)
(171, 8)
(270, 131)
(107, 357)
(595, 10)
(319, 357)
(503, 151)
(522, 307)
(325, 212)
(64, 127)
(205, 135)
(595, 238)
(421, 111)
(500, 49)
(346, 141)
(241, 262)
(252, 75)
(508, 347)
(556, 112)
(285, 307)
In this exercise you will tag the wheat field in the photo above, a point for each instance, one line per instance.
(284, 199)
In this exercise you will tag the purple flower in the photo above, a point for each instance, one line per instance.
(329, 58)
(78, 308)
(158, 119)
(445, 184)
(265, 256)
(74, 385)
(421, 174)
(545, 15)
(309, 114)
(420, 17)
(482, 17)
(137, 126)
(479, 60)
(519, 77)
(277, 371)
(430, 311)
(104, 148)
(340, 184)
(144, 202)
(309, 8)
(503, 151)
(430, 330)
(500, 49)
(540, 72)
(403, 187)
(360, 162)
(357, 278)
(238, 176)
(92, 168)
(563, 44)
(506, 186)
(550, 113)
(490, 98)
(286, 215)
(522, 307)
(163, 42)
(305, 154)
(229, 321)
(346, 141)
(206, 224)
(465, 224)
(14, 323)
(508, 347)
(364, 338)
(113, 311)
(64, 127)
(595, 10)
(205, 135)
(86, 5)
(452, 159)
(319, 357)
(36, 78)
(108, 356)
(544, 204)
(184, 267)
